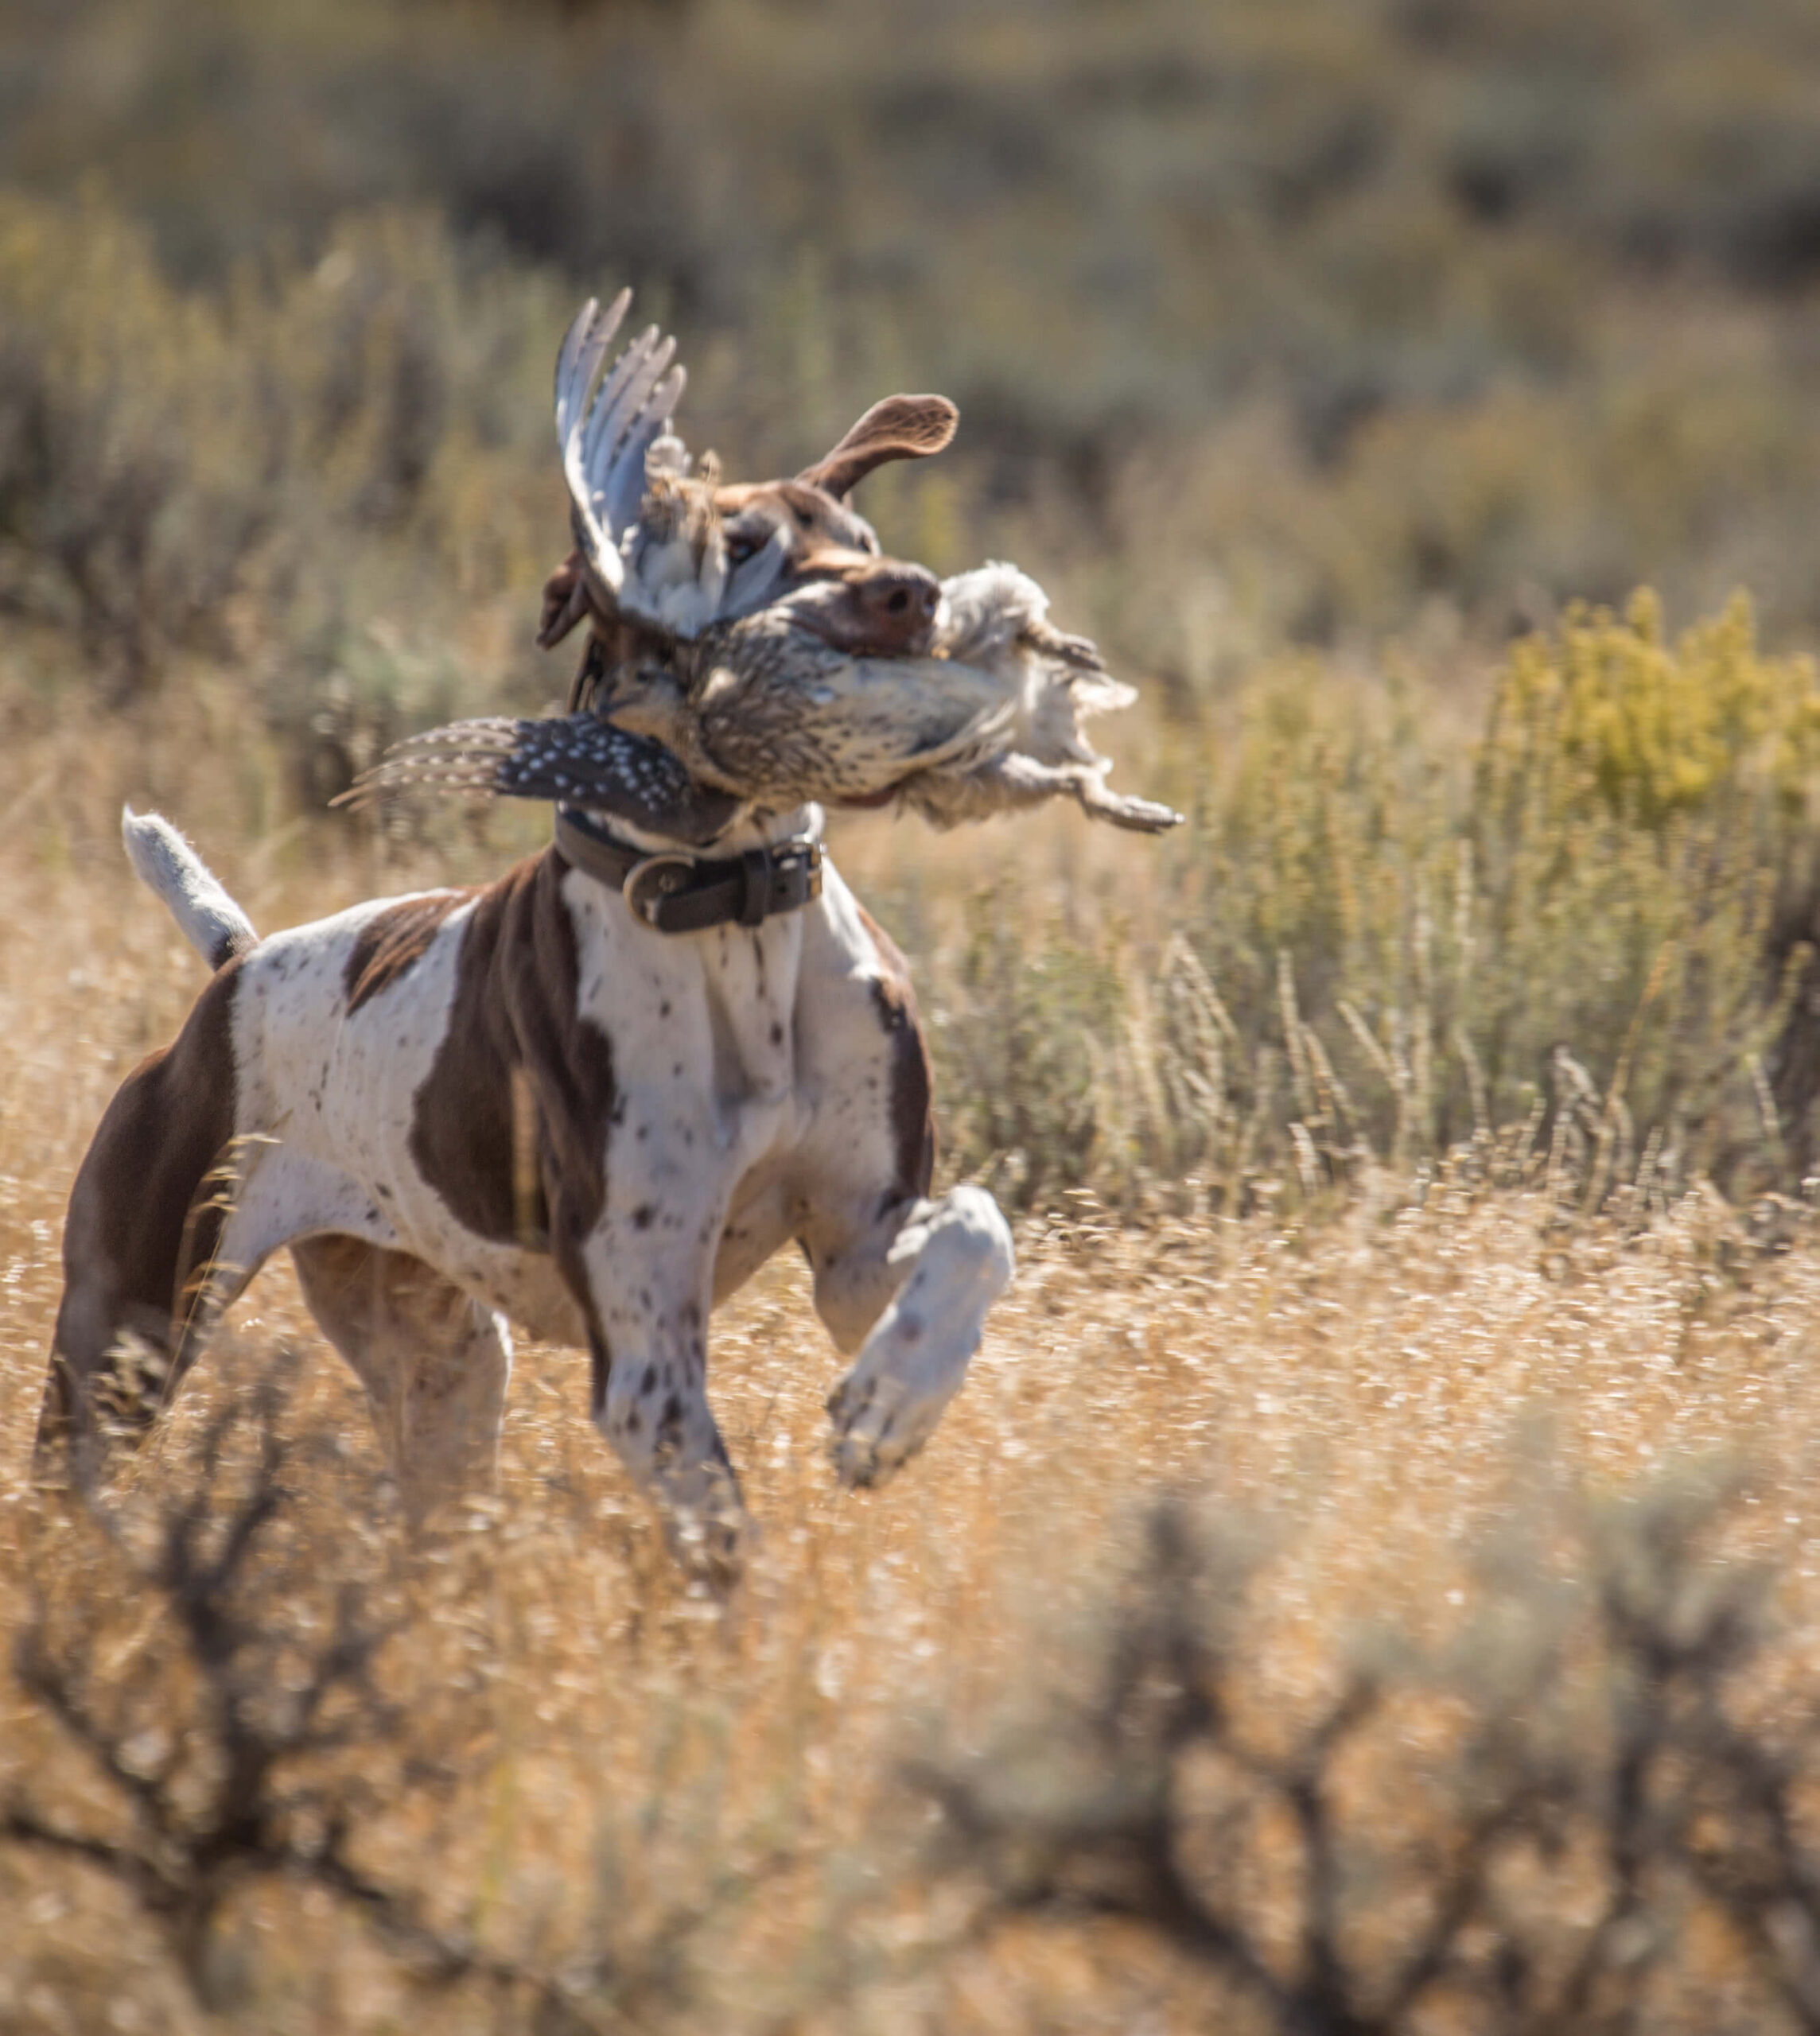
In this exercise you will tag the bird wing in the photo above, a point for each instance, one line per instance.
(575, 760)
(614, 432)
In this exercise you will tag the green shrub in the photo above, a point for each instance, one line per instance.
(1386, 306)
(1550, 948)
(135, 454)
(264, 472)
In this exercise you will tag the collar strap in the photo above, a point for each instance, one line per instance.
(674, 893)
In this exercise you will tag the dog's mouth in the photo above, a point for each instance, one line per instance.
(917, 641)
(891, 612)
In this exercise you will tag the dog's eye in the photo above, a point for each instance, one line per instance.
(740, 550)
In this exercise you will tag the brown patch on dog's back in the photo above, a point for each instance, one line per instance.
(517, 991)
(912, 1078)
(393, 941)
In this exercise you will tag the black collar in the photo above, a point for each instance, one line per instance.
(672, 892)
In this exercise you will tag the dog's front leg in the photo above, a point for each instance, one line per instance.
(954, 1258)
(648, 1316)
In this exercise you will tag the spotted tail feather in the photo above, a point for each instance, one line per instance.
(574, 761)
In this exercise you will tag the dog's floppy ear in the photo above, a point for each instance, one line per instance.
(900, 427)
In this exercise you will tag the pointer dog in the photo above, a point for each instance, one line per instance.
(522, 1103)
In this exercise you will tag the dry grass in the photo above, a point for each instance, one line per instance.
(714, 1801)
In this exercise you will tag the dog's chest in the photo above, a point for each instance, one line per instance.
(702, 1026)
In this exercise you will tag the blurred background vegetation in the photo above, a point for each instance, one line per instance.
(1311, 353)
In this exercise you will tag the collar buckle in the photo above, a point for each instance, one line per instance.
(647, 883)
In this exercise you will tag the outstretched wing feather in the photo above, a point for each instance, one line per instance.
(584, 347)
(605, 432)
(657, 400)
(601, 428)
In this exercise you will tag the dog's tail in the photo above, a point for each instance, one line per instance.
(210, 920)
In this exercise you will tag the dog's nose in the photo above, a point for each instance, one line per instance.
(898, 604)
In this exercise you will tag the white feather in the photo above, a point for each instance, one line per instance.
(607, 436)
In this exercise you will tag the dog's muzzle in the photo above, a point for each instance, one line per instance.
(673, 893)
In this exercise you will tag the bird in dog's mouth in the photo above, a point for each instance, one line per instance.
(756, 636)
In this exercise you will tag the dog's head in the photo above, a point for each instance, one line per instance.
(753, 650)
(665, 549)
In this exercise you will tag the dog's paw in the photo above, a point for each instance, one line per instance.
(877, 1429)
(710, 1548)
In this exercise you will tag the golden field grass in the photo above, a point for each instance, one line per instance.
(715, 1798)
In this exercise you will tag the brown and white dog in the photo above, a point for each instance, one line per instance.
(465, 1109)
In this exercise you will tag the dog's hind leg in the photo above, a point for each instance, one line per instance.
(435, 1362)
(144, 1217)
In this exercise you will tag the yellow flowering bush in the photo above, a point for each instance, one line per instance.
(1608, 713)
